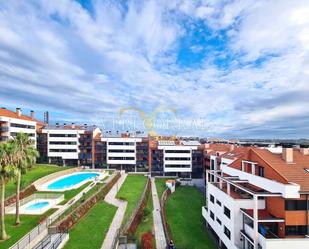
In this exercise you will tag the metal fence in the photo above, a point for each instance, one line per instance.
(25, 241)
(22, 243)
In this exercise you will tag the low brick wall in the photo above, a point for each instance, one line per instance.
(130, 227)
(166, 194)
(23, 194)
(72, 218)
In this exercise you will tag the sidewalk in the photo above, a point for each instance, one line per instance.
(116, 223)
(157, 219)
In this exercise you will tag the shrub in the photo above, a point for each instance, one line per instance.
(147, 241)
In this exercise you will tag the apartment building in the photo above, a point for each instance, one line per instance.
(260, 200)
(69, 144)
(12, 123)
(124, 151)
(176, 158)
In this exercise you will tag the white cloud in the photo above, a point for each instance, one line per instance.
(58, 55)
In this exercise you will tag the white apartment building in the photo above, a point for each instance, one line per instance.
(12, 123)
(176, 158)
(121, 150)
(63, 143)
(249, 206)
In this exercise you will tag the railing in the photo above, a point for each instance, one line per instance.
(47, 242)
(25, 241)
(56, 198)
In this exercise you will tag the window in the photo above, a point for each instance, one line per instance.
(295, 230)
(261, 171)
(212, 215)
(62, 135)
(296, 205)
(219, 221)
(219, 203)
(212, 199)
(227, 232)
(62, 150)
(227, 212)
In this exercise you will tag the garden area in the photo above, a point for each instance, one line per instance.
(184, 217)
(160, 185)
(33, 174)
(28, 222)
(91, 230)
(146, 225)
(131, 191)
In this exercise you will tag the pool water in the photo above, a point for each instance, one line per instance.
(71, 181)
(37, 206)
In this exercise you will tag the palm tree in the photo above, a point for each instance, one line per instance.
(25, 159)
(7, 171)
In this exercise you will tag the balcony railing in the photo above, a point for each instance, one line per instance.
(4, 128)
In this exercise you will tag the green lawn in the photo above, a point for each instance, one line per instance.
(32, 175)
(28, 222)
(146, 224)
(68, 194)
(160, 184)
(91, 230)
(184, 216)
(131, 191)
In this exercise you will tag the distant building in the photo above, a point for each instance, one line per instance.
(183, 159)
(68, 144)
(125, 151)
(12, 123)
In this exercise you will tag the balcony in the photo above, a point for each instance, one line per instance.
(204, 211)
(4, 129)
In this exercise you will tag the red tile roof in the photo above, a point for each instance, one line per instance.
(293, 172)
(12, 114)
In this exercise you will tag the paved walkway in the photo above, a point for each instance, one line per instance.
(157, 219)
(122, 205)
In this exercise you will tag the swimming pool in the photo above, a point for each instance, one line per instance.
(37, 206)
(72, 181)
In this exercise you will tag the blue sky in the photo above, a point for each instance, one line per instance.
(236, 68)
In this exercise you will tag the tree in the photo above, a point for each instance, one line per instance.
(8, 153)
(25, 158)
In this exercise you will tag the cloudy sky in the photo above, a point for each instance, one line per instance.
(241, 68)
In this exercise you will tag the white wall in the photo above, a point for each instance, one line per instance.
(63, 155)
(234, 224)
(175, 156)
(287, 190)
(17, 129)
(119, 155)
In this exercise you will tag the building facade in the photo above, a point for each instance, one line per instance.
(12, 123)
(183, 159)
(260, 200)
(68, 144)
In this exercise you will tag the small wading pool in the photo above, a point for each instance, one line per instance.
(37, 206)
(37, 203)
(71, 181)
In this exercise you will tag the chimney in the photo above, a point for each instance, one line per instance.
(18, 112)
(73, 126)
(232, 147)
(32, 114)
(287, 154)
(304, 150)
